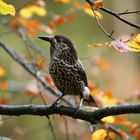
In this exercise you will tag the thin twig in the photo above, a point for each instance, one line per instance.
(129, 12)
(115, 14)
(120, 18)
(101, 27)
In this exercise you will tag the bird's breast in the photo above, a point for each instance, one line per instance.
(66, 77)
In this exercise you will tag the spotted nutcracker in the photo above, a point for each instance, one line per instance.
(66, 70)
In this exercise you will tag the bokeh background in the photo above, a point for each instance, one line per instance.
(122, 79)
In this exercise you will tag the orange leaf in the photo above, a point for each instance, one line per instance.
(103, 65)
(98, 4)
(3, 85)
(137, 134)
(100, 45)
(56, 22)
(134, 127)
(63, 1)
(32, 26)
(76, 4)
(108, 94)
(70, 17)
(41, 62)
(118, 120)
(124, 135)
(4, 101)
(50, 81)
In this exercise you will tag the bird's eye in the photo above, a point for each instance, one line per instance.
(59, 40)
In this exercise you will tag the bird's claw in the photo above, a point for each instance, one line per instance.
(76, 110)
(53, 105)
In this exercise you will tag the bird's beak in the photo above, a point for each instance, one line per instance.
(47, 38)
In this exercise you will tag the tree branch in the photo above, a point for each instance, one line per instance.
(120, 18)
(29, 68)
(101, 27)
(129, 12)
(115, 14)
(92, 117)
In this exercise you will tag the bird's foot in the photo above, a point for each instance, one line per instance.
(53, 105)
(76, 110)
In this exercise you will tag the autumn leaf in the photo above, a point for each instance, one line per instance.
(6, 9)
(76, 4)
(41, 62)
(98, 4)
(135, 44)
(4, 101)
(137, 134)
(31, 26)
(109, 119)
(63, 1)
(29, 11)
(99, 45)
(121, 46)
(107, 99)
(2, 72)
(89, 11)
(130, 46)
(3, 85)
(102, 134)
(102, 64)
(124, 135)
(49, 81)
(56, 22)
(31, 89)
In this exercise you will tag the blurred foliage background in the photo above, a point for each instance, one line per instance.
(122, 79)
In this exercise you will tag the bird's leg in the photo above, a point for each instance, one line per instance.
(55, 102)
(76, 110)
(80, 104)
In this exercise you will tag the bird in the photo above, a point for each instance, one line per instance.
(66, 70)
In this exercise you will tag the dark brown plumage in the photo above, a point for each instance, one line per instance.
(66, 70)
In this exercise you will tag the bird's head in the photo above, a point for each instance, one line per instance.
(60, 45)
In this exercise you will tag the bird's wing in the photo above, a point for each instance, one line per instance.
(82, 73)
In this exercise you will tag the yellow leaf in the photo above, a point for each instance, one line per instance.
(6, 9)
(108, 101)
(26, 13)
(135, 44)
(101, 134)
(89, 11)
(109, 119)
(2, 72)
(39, 10)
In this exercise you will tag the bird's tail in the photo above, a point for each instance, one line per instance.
(90, 102)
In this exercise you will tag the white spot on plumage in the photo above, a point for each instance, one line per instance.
(86, 93)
